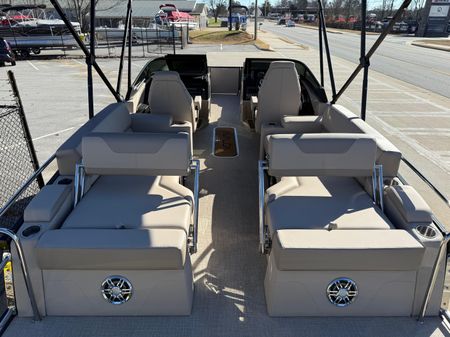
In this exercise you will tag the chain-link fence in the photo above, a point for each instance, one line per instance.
(17, 159)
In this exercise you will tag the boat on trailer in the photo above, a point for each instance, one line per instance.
(28, 29)
(169, 15)
(233, 196)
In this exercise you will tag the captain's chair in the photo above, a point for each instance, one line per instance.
(279, 94)
(168, 95)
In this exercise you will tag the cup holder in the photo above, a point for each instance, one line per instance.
(426, 231)
(65, 181)
(31, 231)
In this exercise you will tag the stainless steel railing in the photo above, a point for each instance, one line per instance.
(16, 239)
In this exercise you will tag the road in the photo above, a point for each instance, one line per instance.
(426, 68)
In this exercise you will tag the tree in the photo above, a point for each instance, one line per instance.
(81, 8)
(417, 8)
(217, 7)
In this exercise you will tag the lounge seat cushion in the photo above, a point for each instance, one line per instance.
(346, 250)
(143, 202)
(112, 249)
(340, 119)
(115, 116)
(331, 154)
(136, 154)
(321, 202)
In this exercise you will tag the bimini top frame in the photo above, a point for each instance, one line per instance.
(364, 61)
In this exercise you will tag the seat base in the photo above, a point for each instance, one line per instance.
(155, 292)
(304, 293)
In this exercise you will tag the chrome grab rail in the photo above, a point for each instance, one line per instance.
(262, 165)
(16, 239)
(13, 199)
(377, 185)
(6, 259)
(26, 276)
(425, 180)
(79, 184)
(195, 165)
(5, 319)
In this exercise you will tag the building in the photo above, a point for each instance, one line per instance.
(111, 13)
(200, 12)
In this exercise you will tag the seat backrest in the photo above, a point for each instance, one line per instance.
(279, 94)
(339, 119)
(114, 118)
(168, 95)
(323, 154)
(148, 154)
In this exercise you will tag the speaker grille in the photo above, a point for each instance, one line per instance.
(116, 289)
(342, 292)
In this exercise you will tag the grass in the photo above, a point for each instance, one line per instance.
(223, 36)
(212, 22)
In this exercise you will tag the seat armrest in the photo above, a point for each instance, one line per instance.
(404, 204)
(46, 204)
(302, 124)
(141, 122)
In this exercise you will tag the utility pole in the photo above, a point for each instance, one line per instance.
(256, 19)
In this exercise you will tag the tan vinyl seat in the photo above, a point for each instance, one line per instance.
(115, 118)
(317, 189)
(126, 249)
(321, 203)
(130, 209)
(168, 95)
(143, 202)
(279, 95)
(298, 249)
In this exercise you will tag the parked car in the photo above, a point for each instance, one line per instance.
(6, 53)
(282, 21)
(290, 23)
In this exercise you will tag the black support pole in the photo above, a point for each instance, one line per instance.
(363, 60)
(26, 130)
(256, 20)
(321, 51)
(372, 50)
(173, 38)
(327, 48)
(83, 48)
(230, 25)
(90, 61)
(130, 47)
(124, 42)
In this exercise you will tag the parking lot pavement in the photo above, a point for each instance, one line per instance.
(54, 95)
